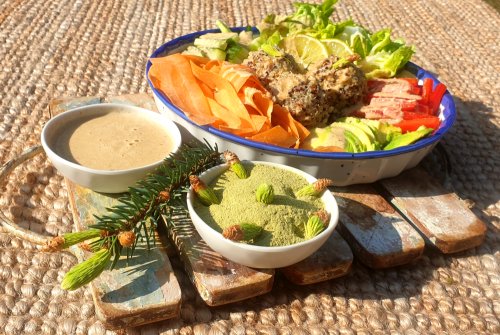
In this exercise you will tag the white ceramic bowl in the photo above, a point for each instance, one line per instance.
(107, 181)
(343, 167)
(259, 256)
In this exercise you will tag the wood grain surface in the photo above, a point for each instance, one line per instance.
(218, 280)
(379, 236)
(332, 260)
(439, 214)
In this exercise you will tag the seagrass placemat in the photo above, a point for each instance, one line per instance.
(50, 49)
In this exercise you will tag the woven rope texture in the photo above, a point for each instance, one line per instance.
(50, 49)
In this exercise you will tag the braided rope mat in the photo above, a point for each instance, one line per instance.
(52, 48)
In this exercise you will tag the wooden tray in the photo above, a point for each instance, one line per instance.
(383, 225)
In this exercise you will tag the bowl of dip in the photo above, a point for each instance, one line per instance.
(281, 242)
(109, 147)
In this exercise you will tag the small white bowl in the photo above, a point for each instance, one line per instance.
(106, 181)
(260, 256)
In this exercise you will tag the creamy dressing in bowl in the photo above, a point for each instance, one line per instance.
(117, 140)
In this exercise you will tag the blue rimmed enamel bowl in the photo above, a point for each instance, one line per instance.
(343, 167)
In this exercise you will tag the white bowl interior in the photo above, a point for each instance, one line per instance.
(261, 256)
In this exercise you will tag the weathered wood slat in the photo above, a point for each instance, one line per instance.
(144, 290)
(379, 236)
(218, 280)
(332, 260)
(440, 215)
(57, 106)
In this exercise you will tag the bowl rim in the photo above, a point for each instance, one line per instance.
(447, 114)
(172, 129)
(334, 212)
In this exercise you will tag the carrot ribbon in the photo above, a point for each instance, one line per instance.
(226, 96)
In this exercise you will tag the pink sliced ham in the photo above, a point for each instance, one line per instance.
(387, 99)
(389, 86)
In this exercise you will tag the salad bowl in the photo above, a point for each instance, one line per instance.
(343, 167)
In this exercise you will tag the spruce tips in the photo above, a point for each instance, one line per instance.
(126, 238)
(315, 189)
(242, 232)
(86, 271)
(316, 224)
(264, 193)
(235, 165)
(67, 240)
(205, 194)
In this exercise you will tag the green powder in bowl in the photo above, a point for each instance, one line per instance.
(282, 220)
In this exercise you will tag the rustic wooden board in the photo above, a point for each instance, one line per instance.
(141, 291)
(440, 215)
(218, 280)
(332, 260)
(144, 290)
(379, 236)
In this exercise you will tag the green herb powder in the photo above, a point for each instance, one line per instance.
(282, 221)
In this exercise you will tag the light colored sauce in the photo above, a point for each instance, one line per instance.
(118, 140)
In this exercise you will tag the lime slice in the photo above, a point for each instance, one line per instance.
(337, 48)
(305, 49)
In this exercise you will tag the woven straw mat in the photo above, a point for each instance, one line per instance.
(51, 49)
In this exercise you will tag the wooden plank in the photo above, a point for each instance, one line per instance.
(218, 280)
(439, 214)
(143, 100)
(57, 106)
(332, 260)
(379, 236)
(144, 290)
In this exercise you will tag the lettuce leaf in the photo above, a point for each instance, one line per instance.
(381, 57)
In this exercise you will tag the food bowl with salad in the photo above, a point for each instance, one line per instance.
(329, 98)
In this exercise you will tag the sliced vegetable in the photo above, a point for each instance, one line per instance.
(436, 97)
(427, 90)
(227, 96)
(408, 138)
(412, 125)
(381, 56)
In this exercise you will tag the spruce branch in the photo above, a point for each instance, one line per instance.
(136, 216)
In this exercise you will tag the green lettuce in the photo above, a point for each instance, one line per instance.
(381, 57)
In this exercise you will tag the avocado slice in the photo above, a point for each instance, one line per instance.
(327, 137)
(211, 43)
(364, 139)
(213, 53)
(220, 36)
(195, 51)
(366, 128)
(384, 131)
(408, 138)
(352, 142)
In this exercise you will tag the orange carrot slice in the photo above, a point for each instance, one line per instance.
(277, 136)
(227, 96)
(172, 75)
(224, 94)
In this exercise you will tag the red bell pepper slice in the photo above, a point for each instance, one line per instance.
(414, 115)
(427, 90)
(413, 124)
(423, 109)
(436, 97)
